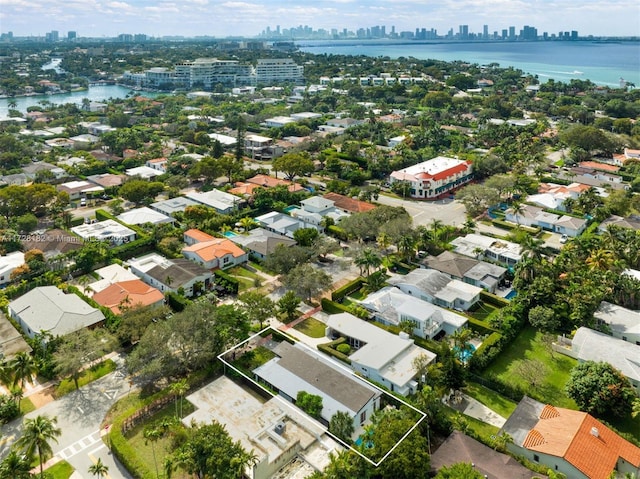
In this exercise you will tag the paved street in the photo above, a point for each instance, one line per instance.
(80, 415)
(450, 212)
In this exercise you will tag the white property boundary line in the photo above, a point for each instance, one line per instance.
(349, 371)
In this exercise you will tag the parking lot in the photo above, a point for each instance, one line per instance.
(449, 212)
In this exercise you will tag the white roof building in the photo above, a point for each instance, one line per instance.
(172, 205)
(623, 323)
(107, 230)
(218, 200)
(114, 273)
(140, 216)
(590, 345)
(501, 251)
(381, 356)
(390, 306)
(438, 288)
(8, 263)
(225, 140)
(144, 172)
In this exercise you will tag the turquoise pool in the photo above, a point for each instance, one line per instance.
(229, 234)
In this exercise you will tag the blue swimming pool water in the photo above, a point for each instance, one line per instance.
(512, 294)
(465, 355)
(229, 234)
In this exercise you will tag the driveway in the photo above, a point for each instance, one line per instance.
(449, 212)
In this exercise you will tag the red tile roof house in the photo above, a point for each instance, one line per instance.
(128, 294)
(211, 252)
(571, 442)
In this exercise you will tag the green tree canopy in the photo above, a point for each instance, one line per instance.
(600, 389)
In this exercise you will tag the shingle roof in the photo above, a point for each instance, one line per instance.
(349, 204)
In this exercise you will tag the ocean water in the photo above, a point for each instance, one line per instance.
(604, 63)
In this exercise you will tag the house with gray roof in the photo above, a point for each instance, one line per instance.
(630, 222)
(391, 306)
(379, 355)
(478, 273)
(496, 250)
(143, 215)
(171, 274)
(281, 223)
(223, 203)
(260, 242)
(622, 322)
(438, 288)
(297, 368)
(48, 308)
(172, 206)
(537, 217)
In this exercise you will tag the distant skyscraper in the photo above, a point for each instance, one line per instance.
(485, 32)
(512, 33)
(463, 32)
(71, 35)
(504, 34)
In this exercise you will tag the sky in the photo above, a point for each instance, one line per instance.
(108, 18)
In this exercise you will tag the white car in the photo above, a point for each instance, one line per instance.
(564, 239)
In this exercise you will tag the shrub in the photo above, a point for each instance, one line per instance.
(331, 307)
(176, 302)
(487, 352)
(493, 299)
(226, 281)
(343, 348)
(338, 232)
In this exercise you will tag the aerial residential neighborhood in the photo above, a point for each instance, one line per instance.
(251, 261)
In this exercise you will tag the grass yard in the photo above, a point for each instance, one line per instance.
(253, 359)
(164, 445)
(246, 278)
(87, 376)
(60, 470)
(553, 377)
(483, 311)
(311, 327)
(26, 406)
(498, 403)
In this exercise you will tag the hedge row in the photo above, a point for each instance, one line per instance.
(493, 300)
(486, 352)
(507, 225)
(481, 327)
(176, 302)
(332, 307)
(133, 248)
(338, 232)
(228, 282)
(352, 286)
(328, 348)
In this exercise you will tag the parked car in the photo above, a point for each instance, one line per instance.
(564, 239)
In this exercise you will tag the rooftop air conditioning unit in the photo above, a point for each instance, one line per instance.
(279, 428)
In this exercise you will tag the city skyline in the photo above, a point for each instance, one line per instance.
(189, 18)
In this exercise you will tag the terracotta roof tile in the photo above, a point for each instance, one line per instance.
(215, 248)
(349, 204)
(133, 293)
(198, 235)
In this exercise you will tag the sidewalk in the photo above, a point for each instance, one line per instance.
(477, 410)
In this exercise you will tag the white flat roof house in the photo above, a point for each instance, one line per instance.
(380, 356)
(48, 308)
(140, 216)
(281, 223)
(107, 230)
(590, 345)
(479, 246)
(623, 323)
(390, 306)
(438, 288)
(220, 201)
(8, 263)
(143, 172)
(114, 273)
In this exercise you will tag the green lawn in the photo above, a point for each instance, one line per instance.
(498, 403)
(246, 278)
(60, 470)
(529, 345)
(163, 446)
(87, 376)
(311, 327)
(483, 311)
(26, 406)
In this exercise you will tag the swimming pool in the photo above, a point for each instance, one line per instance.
(466, 353)
(512, 294)
(229, 234)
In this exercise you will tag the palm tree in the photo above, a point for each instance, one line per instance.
(247, 223)
(99, 469)
(36, 437)
(366, 259)
(178, 389)
(152, 433)
(24, 367)
(12, 104)
(518, 210)
(15, 466)
(6, 374)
